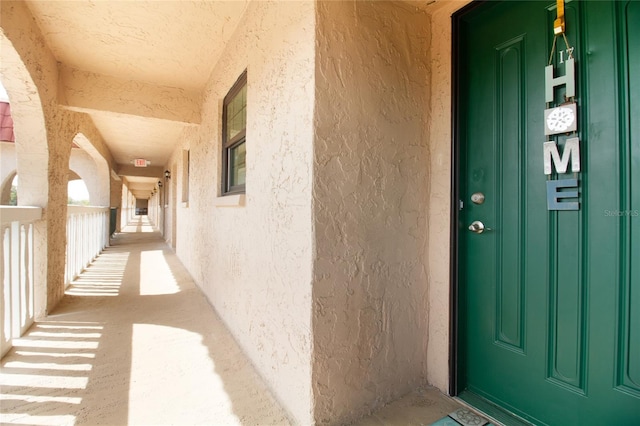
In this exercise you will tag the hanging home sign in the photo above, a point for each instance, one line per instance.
(562, 194)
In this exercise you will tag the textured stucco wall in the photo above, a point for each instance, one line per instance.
(44, 134)
(115, 199)
(184, 209)
(89, 139)
(84, 90)
(27, 70)
(371, 195)
(127, 203)
(373, 238)
(63, 128)
(254, 261)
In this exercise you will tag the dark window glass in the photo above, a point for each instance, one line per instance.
(237, 165)
(234, 123)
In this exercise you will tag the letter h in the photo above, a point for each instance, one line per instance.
(550, 83)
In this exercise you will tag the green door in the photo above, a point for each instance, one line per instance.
(549, 300)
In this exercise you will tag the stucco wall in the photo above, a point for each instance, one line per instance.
(254, 261)
(184, 209)
(63, 128)
(89, 139)
(115, 199)
(371, 195)
(127, 204)
(44, 134)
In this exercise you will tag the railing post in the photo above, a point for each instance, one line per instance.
(15, 278)
(16, 272)
(5, 296)
(87, 236)
(30, 284)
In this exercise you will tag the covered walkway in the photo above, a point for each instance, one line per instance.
(134, 341)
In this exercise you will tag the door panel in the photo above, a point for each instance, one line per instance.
(550, 300)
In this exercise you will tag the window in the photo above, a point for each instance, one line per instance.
(234, 126)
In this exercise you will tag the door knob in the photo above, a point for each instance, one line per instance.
(478, 227)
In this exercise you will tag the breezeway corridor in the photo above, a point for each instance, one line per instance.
(134, 341)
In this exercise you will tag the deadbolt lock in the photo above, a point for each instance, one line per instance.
(477, 198)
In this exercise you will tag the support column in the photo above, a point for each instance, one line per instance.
(60, 134)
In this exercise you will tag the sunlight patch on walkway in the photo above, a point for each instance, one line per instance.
(21, 419)
(155, 275)
(138, 224)
(167, 366)
(40, 387)
(48, 366)
(103, 277)
(70, 326)
(56, 355)
(41, 381)
(40, 343)
(155, 354)
(65, 335)
(36, 398)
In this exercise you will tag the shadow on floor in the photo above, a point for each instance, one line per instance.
(134, 341)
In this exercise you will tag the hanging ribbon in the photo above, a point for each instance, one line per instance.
(559, 28)
(558, 24)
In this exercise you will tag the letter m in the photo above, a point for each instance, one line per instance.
(571, 151)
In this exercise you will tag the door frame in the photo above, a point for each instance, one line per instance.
(454, 329)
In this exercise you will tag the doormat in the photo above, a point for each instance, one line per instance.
(464, 417)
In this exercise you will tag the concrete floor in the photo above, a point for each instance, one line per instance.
(419, 408)
(135, 342)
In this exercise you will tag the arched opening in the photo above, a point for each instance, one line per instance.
(4, 96)
(26, 146)
(87, 201)
(87, 163)
(8, 171)
(77, 192)
(25, 154)
(9, 190)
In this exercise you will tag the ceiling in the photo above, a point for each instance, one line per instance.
(134, 50)
(119, 58)
(167, 43)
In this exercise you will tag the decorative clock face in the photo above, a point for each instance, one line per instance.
(561, 119)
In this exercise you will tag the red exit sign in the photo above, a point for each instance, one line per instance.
(140, 162)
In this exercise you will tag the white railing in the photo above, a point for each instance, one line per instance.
(16, 272)
(87, 235)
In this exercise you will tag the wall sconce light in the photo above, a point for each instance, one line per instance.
(167, 174)
(160, 184)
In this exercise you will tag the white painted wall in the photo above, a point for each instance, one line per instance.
(254, 261)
